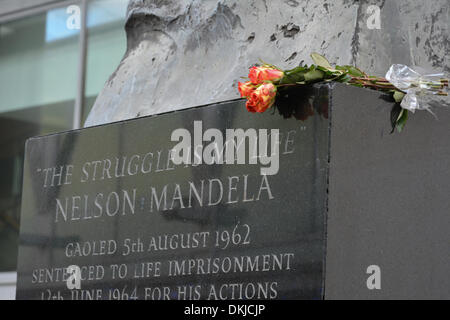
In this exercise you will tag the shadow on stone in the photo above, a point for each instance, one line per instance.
(303, 101)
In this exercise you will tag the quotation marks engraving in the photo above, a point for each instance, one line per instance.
(374, 280)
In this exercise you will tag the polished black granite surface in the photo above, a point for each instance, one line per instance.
(107, 200)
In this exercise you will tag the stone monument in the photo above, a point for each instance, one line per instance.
(353, 211)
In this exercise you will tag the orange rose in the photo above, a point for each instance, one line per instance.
(262, 98)
(258, 75)
(246, 89)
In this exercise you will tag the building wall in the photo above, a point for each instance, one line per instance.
(9, 9)
(183, 53)
(10, 6)
(39, 52)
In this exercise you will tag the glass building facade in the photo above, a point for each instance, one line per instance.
(54, 60)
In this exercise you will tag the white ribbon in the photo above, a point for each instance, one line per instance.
(418, 87)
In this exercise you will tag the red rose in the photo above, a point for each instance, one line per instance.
(250, 107)
(258, 75)
(262, 98)
(246, 89)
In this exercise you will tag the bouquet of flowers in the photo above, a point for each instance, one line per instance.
(407, 87)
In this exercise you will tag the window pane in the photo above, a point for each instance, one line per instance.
(38, 76)
(106, 45)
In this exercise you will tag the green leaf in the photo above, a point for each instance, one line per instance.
(395, 114)
(401, 121)
(293, 77)
(320, 60)
(357, 72)
(398, 96)
(297, 69)
(314, 75)
(351, 70)
(343, 78)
